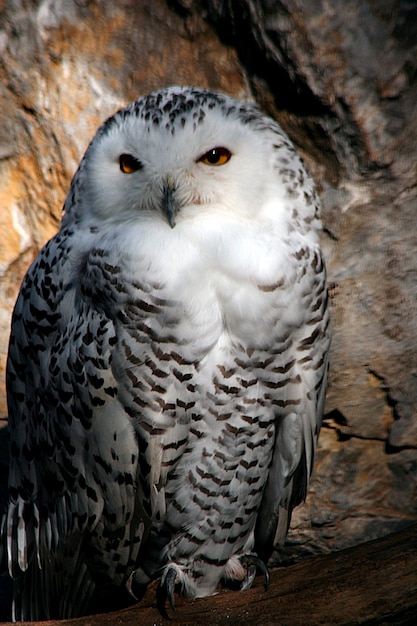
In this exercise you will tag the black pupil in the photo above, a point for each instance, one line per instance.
(128, 161)
(213, 156)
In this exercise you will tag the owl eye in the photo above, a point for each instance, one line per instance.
(129, 164)
(216, 156)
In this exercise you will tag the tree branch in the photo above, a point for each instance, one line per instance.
(373, 583)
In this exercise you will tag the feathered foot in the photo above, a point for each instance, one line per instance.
(166, 590)
(241, 571)
(252, 563)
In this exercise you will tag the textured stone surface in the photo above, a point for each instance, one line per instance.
(341, 78)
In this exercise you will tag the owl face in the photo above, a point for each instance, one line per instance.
(178, 155)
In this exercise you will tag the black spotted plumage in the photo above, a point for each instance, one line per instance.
(167, 362)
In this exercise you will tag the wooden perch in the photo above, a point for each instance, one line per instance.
(373, 583)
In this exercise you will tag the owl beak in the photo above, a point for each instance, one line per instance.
(169, 203)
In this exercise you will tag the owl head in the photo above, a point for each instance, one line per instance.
(182, 154)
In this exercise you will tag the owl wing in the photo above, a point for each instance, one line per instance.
(298, 419)
(74, 455)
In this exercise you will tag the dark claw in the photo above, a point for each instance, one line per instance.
(166, 590)
(252, 563)
(137, 584)
(169, 583)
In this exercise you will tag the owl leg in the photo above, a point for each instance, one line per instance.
(166, 588)
(252, 564)
(242, 569)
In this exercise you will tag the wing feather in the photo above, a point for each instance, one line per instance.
(297, 430)
(73, 449)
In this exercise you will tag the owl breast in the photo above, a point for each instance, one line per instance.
(202, 360)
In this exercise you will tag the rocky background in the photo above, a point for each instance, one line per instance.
(341, 78)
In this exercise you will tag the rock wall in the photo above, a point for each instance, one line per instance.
(341, 79)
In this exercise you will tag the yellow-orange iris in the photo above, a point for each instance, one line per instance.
(216, 156)
(129, 164)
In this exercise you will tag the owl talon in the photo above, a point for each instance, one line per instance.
(252, 563)
(166, 589)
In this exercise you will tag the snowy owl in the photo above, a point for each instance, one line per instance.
(168, 361)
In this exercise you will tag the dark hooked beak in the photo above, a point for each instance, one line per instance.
(169, 203)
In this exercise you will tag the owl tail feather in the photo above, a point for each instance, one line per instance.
(61, 588)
